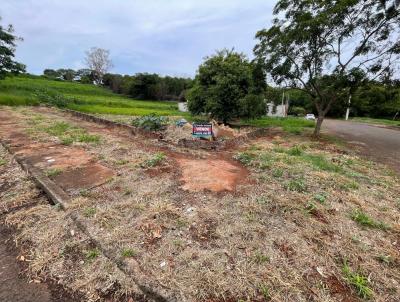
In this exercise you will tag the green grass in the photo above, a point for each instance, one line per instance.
(288, 124)
(89, 212)
(69, 134)
(260, 258)
(21, 91)
(363, 219)
(376, 121)
(154, 161)
(92, 254)
(358, 281)
(2, 162)
(127, 253)
(53, 172)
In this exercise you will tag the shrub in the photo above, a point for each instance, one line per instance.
(150, 122)
(252, 106)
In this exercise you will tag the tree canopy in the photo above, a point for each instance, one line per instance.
(7, 49)
(313, 43)
(227, 85)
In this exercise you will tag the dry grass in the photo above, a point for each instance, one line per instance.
(283, 236)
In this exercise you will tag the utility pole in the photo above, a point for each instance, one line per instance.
(348, 108)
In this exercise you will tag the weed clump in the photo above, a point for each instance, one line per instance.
(154, 161)
(151, 122)
(92, 254)
(244, 157)
(297, 185)
(53, 172)
(363, 219)
(358, 281)
(128, 253)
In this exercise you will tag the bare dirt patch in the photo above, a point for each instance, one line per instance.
(84, 177)
(215, 175)
(77, 169)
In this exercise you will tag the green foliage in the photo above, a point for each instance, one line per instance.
(289, 124)
(128, 253)
(26, 90)
(2, 162)
(53, 172)
(297, 185)
(7, 49)
(295, 151)
(252, 106)
(69, 134)
(154, 161)
(264, 290)
(358, 281)
(363, 219)
(92, 254)
(320, 197)
(304, 47)
(224, 87)
(320, 162)
(297, 111)
(261, 258)
(244, 157)
(150, 122)
(277, 172)
(89, 212)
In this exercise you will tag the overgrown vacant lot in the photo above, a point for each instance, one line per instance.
(302, 220)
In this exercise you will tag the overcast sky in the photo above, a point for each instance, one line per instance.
(162, 36)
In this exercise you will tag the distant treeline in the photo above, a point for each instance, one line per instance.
(143, 86)
(372, 99)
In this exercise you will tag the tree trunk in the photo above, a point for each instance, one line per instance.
(317, 130)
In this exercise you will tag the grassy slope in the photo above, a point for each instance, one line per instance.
(20, 91)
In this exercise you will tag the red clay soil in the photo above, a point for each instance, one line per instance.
(79, 169)
(216, 175)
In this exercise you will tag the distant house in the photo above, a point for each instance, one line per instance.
(182, 106)
(277, 110)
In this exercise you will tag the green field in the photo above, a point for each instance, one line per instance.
(23, 91)
(20, 91)
(293, 125)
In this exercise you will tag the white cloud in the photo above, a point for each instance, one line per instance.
(154, 35)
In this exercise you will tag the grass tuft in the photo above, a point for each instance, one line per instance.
(363, 219)
(154, 161)
(128, 253)
(92, 254)
(358, 281)
(297, 185)
(53, 172)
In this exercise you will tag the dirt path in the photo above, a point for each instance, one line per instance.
(379, 144)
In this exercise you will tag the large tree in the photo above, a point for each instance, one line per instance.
(98, 60)
(7, 49)
(313, 41)
(227, 85)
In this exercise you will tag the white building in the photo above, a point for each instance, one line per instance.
(277, 110)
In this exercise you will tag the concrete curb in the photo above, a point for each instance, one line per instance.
(59, 197)
(187, 143)
(99, 120)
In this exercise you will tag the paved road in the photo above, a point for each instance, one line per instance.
(378, 143)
